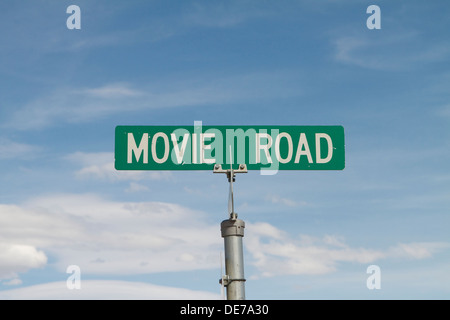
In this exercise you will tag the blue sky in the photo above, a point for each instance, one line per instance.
(154, 234)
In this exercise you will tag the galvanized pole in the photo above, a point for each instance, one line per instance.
(234, 281)
(232, 231)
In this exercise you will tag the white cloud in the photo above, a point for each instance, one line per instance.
(16, 258)
(112, 237)
(105, 289)
(267, 230)
(276, 253)
(108, 237)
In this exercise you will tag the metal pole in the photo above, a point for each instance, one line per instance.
(232, 231)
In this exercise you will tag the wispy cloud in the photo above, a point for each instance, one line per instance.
(86, 104)
(100, 166)
(74, 105)
(11, 149)
(136, 187)
(417, 250)
(388, 51)
(276, 199)
(112, 91)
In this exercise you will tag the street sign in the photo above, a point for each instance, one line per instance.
(201, 147)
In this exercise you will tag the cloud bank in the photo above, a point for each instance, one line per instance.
(105, 289)
(105, 237)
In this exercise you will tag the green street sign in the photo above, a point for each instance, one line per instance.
(201, 147)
